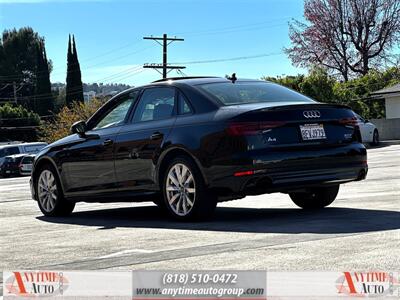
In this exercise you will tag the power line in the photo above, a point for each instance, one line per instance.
(236, 28)
(230, 59)
(164, 66)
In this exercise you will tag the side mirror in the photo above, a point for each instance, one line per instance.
(366, 121)
(79, 127)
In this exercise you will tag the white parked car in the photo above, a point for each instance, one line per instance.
(21, 148)
(369, 132)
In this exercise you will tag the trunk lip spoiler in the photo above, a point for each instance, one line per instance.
(306, 106)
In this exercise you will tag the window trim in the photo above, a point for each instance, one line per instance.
(174, 111)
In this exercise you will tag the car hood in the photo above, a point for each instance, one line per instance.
(64, 141)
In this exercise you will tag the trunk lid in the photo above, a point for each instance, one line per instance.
(280, 125)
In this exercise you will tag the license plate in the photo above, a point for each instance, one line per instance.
(8, 172)
(312, 132)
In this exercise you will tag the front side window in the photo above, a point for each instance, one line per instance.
(155, 104)
(117, 114)
(229, 93)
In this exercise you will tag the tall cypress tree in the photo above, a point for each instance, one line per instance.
(44, 102)
(74, 89)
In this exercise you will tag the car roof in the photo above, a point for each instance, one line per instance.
(197, 80)
(190, 80)
(176, 81)
(17, 155)
(22, 144)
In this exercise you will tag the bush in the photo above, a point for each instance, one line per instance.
(60, 125)
(17, 116)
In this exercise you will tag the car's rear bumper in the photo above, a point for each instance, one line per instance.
(286, 170)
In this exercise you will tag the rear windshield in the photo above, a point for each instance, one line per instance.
(229, 93)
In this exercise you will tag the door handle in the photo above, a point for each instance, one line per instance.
(108, 142)
(156, 135)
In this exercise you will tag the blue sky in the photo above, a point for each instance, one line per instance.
(111, 49)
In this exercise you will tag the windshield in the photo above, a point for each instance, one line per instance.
(229, 93)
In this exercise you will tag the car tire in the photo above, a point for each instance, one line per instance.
(185, 194)
(49, 193)
(315, 198)
(375, 138)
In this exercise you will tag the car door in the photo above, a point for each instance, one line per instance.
(139, 142)
(88, 162)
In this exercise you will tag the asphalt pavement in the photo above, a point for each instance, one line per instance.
(359, 231)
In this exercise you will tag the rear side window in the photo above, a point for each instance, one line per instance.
(184, 107)
(229, 93)
(155, 104)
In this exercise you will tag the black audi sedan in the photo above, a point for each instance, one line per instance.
(188, 143)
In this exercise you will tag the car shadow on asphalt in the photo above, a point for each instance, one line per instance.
(235, 219)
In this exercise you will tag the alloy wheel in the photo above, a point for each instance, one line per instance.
(47, 190)
(180, 189)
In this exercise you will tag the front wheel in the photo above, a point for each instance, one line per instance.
(49, 194)
(185, 193)
(316, 197)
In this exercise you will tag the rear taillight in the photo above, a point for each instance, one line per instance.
(349, 121)
(244, 173)
(252, 128)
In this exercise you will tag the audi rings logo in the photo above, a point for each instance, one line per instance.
(310, 114)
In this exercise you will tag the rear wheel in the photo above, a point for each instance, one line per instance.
(49, 194)
(185, 194)
(316, 197)
(375, 138)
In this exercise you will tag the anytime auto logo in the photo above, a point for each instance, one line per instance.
(367, 284)
(36, 284)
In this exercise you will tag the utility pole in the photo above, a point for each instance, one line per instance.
(164, 66)
(15, 92)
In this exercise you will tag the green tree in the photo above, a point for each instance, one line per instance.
(319, 85)
(11, 116)
(20, 66)
(354, 93)
(74, 88)
(44, 102)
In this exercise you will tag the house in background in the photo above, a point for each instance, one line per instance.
(87, 96)
(392, 100)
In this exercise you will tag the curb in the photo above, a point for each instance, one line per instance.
(390, 142)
